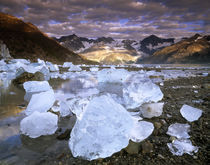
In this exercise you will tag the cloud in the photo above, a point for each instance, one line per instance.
(90, 18)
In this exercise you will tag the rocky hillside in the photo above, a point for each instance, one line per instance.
(153, 43)
(24, 40)
(195, 49)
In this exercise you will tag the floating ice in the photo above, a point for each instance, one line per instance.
(141, 130)
(67, 64)
(52, 67)
(138, 90)
(41, 102)
(151, 110)
(78, 105)
(179, 130)
(181, 146)
(190, 113)
(112, 75)
(74, 68)
(101, 132)
(36, 86)
(38, 124)
(95, 69)
(64, 109)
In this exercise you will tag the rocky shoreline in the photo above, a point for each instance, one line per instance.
(192, 91)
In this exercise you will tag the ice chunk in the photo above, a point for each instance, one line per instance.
(141, 130)
(78, 105)
(190, 113)
(179, 130)
(95, 69)
(112, 75)
(101, 132)
(64, 109)
(52, 67)
(36, 86)
(151, 110)
(138, 90)
(41, 102)
(67, 64)
(74, 68)
(181, 146)
(38, 124)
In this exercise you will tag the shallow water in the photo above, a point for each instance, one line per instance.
(19, 149)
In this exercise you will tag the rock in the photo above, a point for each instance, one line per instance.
(157, 125)
(147, 147)
(132, 148)
(190, 113)
(38, 124)
(38, 76)
(65, 135)
(206, 86)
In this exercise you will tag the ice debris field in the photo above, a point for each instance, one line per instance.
(110, 103)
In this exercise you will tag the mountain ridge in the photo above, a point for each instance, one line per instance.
(25, 40)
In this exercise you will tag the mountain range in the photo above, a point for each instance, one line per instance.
(25, 40)
(108, 50)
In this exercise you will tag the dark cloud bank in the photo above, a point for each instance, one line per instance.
(115, 18)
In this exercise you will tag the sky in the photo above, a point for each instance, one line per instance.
(119, 19)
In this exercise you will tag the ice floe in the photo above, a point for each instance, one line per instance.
(40, 102)
(38, 124)
(190, 113)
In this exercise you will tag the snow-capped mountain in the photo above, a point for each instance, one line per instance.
(151, 44)
(109, 50)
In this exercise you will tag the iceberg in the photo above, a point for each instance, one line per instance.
(95, 69)
(151, 110)
(67, 64)
(141, 130)
(74, 68)
(36, 86)
(38, 124)
(179, 131)
(112, 75)
(190, 113)
(52, 67)
(101, 132)
(181, 146)
(138, 90)
(40, 102)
